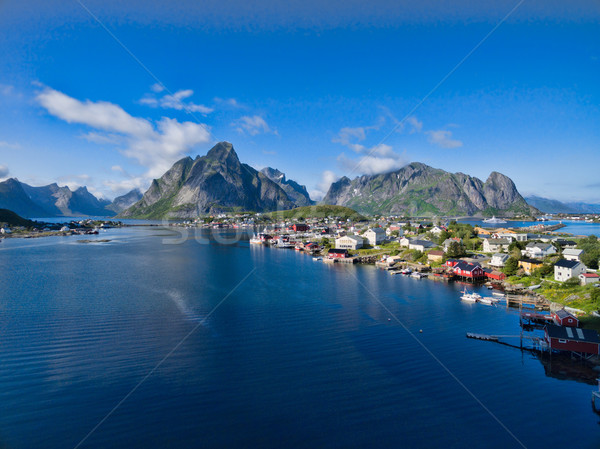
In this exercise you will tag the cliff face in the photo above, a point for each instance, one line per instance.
(123, 202)
(50, 200)
(418, 189)
(296, 193)
(217, 182)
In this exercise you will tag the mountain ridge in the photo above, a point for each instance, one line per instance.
(215, 183)
(50, 200)
(418, 189)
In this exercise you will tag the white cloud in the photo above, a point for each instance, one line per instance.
(157, 87)
(270, 153)
(415, 123)
(373, 164)
(4, 171)
(350, 137)
(443, 138)
(155, 146)
(253, 125)
(327, 178)
(380, 158)
(126, 185)
(12, 146)
(100, 115)
(175, 101)
(102, 138)
(230, 102)
(6, 89)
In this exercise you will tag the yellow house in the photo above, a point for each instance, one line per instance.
(435, 256)
(503, 231)
(480, 231)
(529, 265)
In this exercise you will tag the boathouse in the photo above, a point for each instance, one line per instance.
(469, 271)
(563, 318)
(583, 342)
(336, 253)
(494, 275)
(300, 227)
(452, 262)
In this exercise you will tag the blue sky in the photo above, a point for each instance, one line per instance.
(316, 89)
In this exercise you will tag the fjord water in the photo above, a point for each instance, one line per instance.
(300, 354)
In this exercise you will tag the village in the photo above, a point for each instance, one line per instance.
(551, 277)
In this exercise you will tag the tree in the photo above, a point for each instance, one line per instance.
(455, 249)
(444, 235)
(591, 251)
(511, 266)
(516, 245)
(515, 253)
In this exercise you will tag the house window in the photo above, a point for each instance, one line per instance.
(560, 340)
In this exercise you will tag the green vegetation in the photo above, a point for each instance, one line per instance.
(320, 211)
(511, 266)
(456, 249)
(591, 251)
(9, 218)
(571, 294)
(387, 248)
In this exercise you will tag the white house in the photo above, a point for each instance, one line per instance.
(538, 250)
(588, 278)
(566, 269)
(573, 254)
(436, 230)
(404, 242)
(449, 241)
(375, 236)
(349, 242)
(420, 245)
(498, 260)
(496, 245)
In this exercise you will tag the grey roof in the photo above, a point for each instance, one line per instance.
(542, 246)
(502, 256)
(572, 333)
(566, 263)
(424, 243)
(500, 241)
(573, 252)
(562, 313)
(356, 238)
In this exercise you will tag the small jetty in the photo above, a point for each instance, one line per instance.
(482, 336)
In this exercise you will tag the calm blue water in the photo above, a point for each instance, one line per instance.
(300, 355)
(575, 227)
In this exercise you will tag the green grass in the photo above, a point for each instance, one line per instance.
(10, 218)
(319, 211)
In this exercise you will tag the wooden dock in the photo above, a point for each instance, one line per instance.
(481, 336)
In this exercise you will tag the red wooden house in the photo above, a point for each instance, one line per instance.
(451, 262)
(334, 253)
(468, 270)
(300, 227)
(583, 342)
(494, 275)
(563, 318)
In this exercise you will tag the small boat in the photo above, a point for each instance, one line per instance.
(485, 301)
(468, 297)
(407, 271)
(317, 258)
(498, 294)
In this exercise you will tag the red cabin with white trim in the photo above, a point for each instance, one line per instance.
(563, 318)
